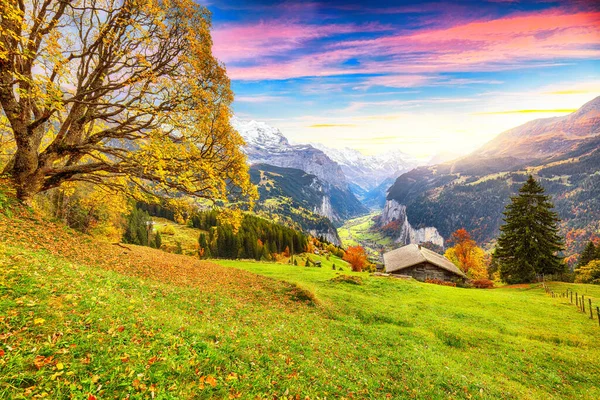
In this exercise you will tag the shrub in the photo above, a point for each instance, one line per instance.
(356, 257)
(589, 273)
(355, 280)
(168, 230)
(482, 283)
(440, 282)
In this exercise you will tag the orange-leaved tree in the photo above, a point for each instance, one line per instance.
(356, 256)
(466, 255)
(120, 93)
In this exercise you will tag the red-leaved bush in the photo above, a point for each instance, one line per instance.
(482, 284)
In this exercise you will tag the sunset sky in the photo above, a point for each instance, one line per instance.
(421, 77)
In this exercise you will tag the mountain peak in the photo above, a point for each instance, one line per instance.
(369, 171)
(267, 145)
(547, 136)
(592, 106)
(259, 134)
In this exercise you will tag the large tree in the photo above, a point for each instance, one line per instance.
(529, 242)
(122, 93)
(466, 255)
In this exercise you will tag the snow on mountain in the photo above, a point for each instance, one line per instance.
(267, 145)
(259, 134)
(369, 171)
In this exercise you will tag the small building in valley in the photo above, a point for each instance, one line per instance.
(421, 263)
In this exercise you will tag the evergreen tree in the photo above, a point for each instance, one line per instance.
(157, 240)
(529, 240)
(138, 227)
(203, 248)
(588, 254)
(178, 248)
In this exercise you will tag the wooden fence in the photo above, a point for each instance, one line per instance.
(584, 304)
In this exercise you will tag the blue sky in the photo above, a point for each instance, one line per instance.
(420, 77)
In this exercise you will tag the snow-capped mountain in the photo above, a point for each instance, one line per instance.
(267, 145)
(369, 171)
(260, 135)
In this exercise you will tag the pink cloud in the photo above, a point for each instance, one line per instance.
(497, 44)
(241, 42)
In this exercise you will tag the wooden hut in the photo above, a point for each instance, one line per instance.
(421, 263)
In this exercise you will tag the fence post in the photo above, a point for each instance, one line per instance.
(571, 297)
(582, 303)
(576, 299)
(598, 313)
(591, 311)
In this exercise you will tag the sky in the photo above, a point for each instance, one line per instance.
(419, 77)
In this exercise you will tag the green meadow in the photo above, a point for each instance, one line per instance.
(143, 323)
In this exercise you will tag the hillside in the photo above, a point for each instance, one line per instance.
(86, 319)
(546, 137)
(472, 192)
(304, 198)
(299, 170)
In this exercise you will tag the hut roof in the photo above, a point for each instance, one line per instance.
(412, 254)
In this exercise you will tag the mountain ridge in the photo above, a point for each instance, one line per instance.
(369, 171)
(471, 192)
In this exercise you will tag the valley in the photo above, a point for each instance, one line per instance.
(360, 232)
(327, 189)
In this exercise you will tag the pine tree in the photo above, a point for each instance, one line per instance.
(529, 240)
(178, 248)
(588, 254)
(203, 248)
(157, 240)
(137, 228)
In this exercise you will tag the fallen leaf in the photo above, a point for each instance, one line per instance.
(232, 376)
(39, 321)
(211, 381)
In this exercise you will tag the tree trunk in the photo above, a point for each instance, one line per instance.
(25, 171)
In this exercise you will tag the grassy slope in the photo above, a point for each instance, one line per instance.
(509, 343)
(111, 321)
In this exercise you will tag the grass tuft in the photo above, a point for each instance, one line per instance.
(352, 279)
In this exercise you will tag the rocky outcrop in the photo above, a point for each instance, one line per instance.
(326, 210)
(331, 236)
(394, 212)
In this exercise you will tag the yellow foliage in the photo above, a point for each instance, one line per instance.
(168, 230)
(467, 256)
(157, 126)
